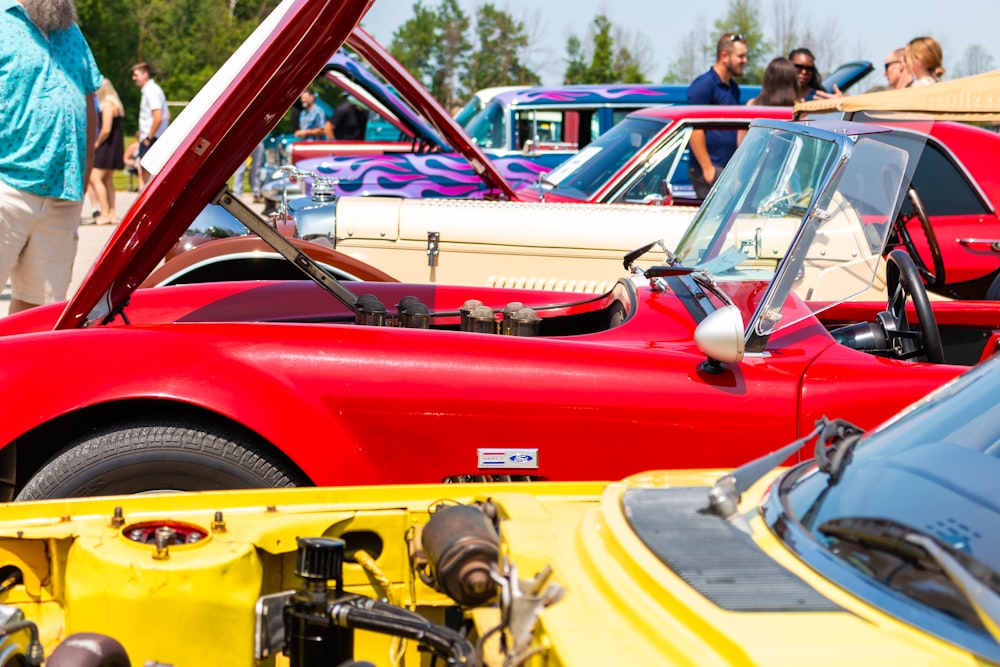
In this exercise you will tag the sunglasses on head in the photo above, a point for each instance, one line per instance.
(806, 68)
(736, 37)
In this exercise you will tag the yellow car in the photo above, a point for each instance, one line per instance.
(883, 549)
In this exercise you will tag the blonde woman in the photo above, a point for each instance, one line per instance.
(924, 58)
(109, 151)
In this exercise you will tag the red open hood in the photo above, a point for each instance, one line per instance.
(202, 148)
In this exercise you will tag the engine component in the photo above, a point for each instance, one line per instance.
(311, 635)
(461, 545)
(89, 649)
(509, 312)
(317, 623)
(521, 600)
(413, 314)
(370, 311)
(523, 322)
(18, 638)
(164, 534)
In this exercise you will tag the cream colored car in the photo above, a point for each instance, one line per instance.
(572, 247)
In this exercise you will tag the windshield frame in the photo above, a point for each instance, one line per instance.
(714, 240)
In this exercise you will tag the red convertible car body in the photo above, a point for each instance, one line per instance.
(703, 362)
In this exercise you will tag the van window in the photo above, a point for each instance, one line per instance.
(488, 128)
(547, 129)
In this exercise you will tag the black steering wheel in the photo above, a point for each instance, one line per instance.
(903, 280)
(934, 279)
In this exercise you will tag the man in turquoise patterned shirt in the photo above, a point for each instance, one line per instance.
(47, 122)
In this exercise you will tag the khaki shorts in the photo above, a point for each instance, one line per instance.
(38, 240)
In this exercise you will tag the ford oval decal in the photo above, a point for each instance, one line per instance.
(502, 457)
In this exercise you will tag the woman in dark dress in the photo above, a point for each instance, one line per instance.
(109, 151)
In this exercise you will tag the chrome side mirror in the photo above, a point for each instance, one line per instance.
(720, 336)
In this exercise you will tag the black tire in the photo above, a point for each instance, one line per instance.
(140, 458)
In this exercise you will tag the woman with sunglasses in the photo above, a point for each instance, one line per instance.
(809, 83)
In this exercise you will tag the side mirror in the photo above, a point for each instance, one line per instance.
(720, 336)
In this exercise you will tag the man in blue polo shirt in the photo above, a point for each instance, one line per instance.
(712, 149)
(46, 146)
(312, 119)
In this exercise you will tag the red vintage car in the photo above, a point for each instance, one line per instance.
(644, 158)
(736, 345)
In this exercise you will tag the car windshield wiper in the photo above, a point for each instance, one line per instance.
(834, 446)
(724, 496)
(974, 583)
(631, 257)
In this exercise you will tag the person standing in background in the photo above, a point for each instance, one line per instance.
(924, 58)
(349, 121)
(897, 72)
(780, 86)
(256, 164)
(712, 149)
(810, 85)
(154, 116)
(46, 146)
(109, 151)
(312, 120)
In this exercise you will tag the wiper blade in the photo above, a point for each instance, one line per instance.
(724, 496)
(984, 601)
(973, 581)
(834, 446)
(631, 257)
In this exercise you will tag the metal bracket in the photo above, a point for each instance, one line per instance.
(433, 249)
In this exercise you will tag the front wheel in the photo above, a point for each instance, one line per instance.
(142, 458)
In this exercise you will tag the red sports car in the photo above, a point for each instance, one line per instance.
(734, 346)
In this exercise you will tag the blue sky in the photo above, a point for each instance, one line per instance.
(866, 29)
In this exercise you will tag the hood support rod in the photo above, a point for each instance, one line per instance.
(284, 247)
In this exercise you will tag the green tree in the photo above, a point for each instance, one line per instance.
(451, 53)
(975, 60)
(498, 59)
(576, 63)
(601, 70)
(743, 17)
(413, 44)
(606, 64)
(691, 60)
(628, 67)
(186, 41)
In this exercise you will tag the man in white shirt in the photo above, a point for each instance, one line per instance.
(154, 116)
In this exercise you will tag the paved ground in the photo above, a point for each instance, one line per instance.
(92, 241)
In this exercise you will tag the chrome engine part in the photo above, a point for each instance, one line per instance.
(411, 313)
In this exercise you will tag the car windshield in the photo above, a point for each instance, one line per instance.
(802, 209)
(488, 128)
(933, 470)
(471, 108)
(583, 174)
